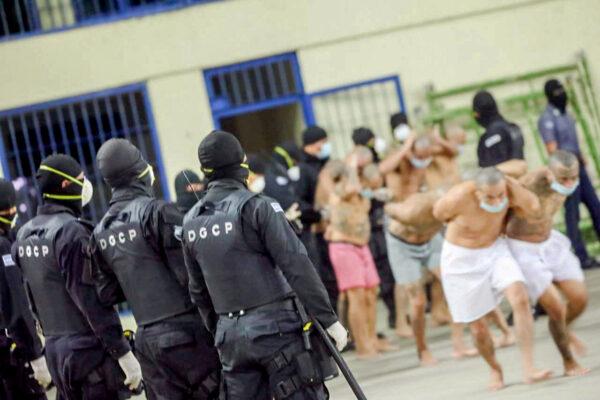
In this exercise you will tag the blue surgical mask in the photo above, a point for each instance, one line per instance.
(366, 193)
(325, 151)
(494, 209)
(562, 189)
(419, 163)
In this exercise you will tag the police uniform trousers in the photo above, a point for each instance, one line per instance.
(249, 340)
(82, 370)
(178, 360)
(16, 382)
(379, 250)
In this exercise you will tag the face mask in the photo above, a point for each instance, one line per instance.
(380, 145)
(148, 171)
(87, 190)
(294, 173)
(419, 163)
(258, 185)
(494, 209)
(325, 151)
(402, 132)
(562, 189)
(366, 193)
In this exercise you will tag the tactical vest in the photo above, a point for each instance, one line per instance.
(151, 289)
(237, 276)
(54, 308)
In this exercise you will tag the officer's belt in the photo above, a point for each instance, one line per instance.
(286, 304)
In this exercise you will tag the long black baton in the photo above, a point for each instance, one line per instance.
(339, 360)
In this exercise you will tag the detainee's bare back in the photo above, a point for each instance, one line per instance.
(468, 224)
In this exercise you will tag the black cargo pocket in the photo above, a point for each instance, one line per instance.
(262, 329)
(175, 339)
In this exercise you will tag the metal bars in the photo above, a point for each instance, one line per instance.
(77, 127)
(20, 17)
(368, 104)
(253, 85)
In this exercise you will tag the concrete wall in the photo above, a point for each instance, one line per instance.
(446, 43)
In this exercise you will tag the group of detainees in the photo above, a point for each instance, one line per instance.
(398, 221)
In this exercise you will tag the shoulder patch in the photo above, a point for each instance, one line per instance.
(548, 124)
(492, 140)
(8, 260)
(277, 207)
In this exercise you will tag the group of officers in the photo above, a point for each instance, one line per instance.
(225, 297)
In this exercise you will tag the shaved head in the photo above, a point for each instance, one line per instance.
(489, 176)
(422, 143)
(561, 158)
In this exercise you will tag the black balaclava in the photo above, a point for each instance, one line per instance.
(313, 134)
(188, 186)
(257, 164)
(8, 201)
(365, 137)
(485, 107)
(398, 119)
(121, 164)
(556, 95)
(53, 171)
(287, 154)
(221, 156)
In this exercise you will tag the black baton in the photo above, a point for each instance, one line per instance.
(339, 360)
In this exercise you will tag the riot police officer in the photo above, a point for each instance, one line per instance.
(188, 187)
(245, 263)
(85, 345)
(22, 346)
(138, 258)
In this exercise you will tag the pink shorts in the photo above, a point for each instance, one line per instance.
(353, 266)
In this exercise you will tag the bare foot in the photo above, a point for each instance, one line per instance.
(506, 340)
(427, 359)
(574, 369)
(405, 332)
(538, 376)
(464, 353)
(384, 345)
(496, 380)
(578, 347)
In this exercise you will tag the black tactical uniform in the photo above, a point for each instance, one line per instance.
(245, 263)
(502, 140)
(137, 258)
(83, 337)
(23, 345)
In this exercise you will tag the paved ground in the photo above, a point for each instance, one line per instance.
(396, 375)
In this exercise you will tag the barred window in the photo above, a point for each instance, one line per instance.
(77, 127)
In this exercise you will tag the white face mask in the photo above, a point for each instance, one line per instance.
(420, 163)
(87, 192)
(258, 185)
(380, 145)
(402, 132)
(294, 173)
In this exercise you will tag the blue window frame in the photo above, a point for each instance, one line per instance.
(78, 127)
(254, 85)
(368, 103)
(23, 17)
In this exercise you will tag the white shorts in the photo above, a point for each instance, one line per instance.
(474, 279)
(546, 262)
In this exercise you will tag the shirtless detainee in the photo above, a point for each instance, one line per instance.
(417, 242)
(477, 266)
(545, 254)
(348, 235)
(404, 172)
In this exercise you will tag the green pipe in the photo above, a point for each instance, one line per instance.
(499, 82)
(584, 127)
(536, 137)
